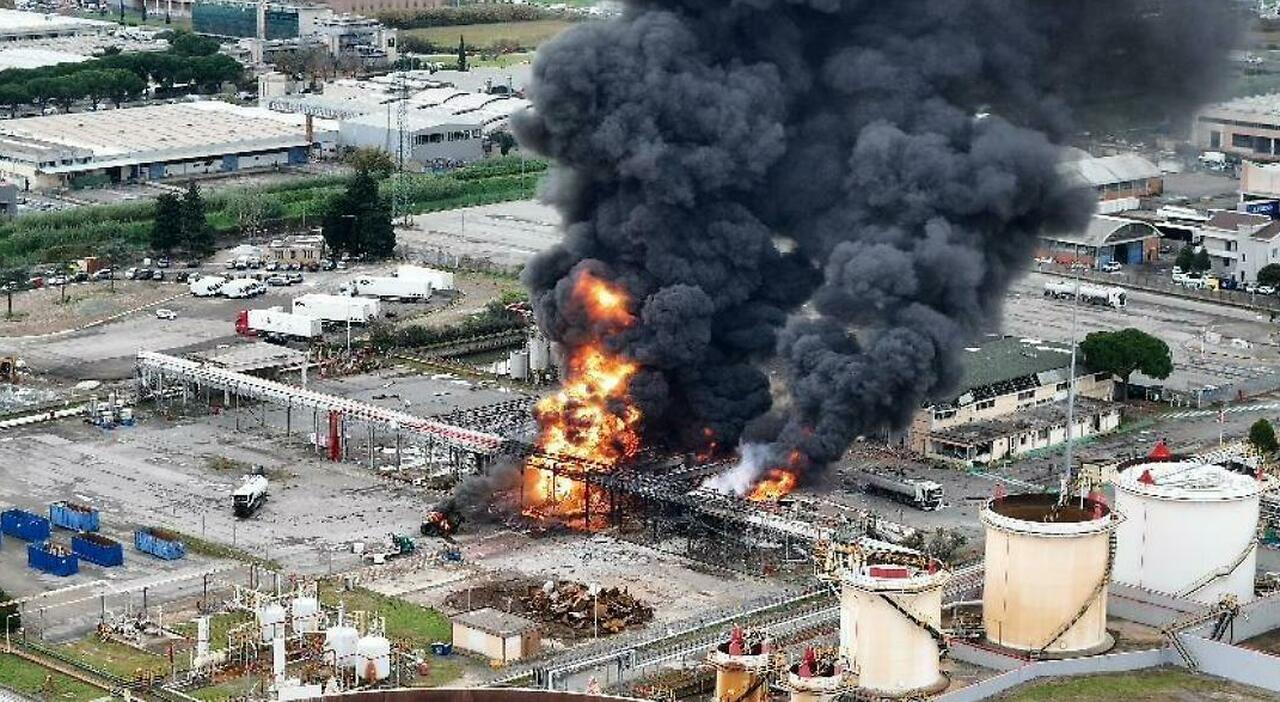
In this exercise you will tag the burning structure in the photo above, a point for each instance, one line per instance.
(720, 164)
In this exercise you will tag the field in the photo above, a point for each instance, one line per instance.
(45, 310)
(1157, 685)
(38, 683)
(115, 658)
(413, 624)
(524, 34)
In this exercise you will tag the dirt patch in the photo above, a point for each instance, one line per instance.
(1267, 643)
(49, 310)
(565, 610)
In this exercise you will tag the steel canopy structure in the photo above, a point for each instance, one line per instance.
(159, 372)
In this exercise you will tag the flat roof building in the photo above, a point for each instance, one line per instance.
(149, 143)
(496, 635)
(430, 135)
(1248, 128)
(16, 25)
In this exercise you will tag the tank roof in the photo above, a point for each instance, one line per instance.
(1191, 481)
(1041, 513)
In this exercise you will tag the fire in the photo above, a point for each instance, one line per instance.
(775, 484)
(591, 419)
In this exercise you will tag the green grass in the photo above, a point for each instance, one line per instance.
(211, 549)
(442, 672)
(527, 35)
(414, 625)
(219, 625)
(30, 680)
(1156, 685)
(116, 658)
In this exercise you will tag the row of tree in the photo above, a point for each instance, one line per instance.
(488, 13)
(118, 77)
(181, 224)
(357, 221)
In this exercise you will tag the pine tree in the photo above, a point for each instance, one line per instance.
(166, 228)
(357, 221)
(197, 235)
(462, 53)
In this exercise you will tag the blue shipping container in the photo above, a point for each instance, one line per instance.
(24, 525)
(159, 543)
(98, 549)
(75, 517)
(40, 557)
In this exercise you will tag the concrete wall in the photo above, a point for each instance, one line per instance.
(1234, 663)
(1146, 607)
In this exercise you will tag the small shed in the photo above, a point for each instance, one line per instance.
(495, 634)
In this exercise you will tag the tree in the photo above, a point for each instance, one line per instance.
(1202, 262)
(1123, 352)
(185, 43)
(504, 140)
(12, 279)
(462, 53)
(1186, 258)
(1269, 275)
(13, 96)
(197, 235)
(9, 615)
(166, 228)
(1262, 436)
(251, 211)
(372, 159)
(121, 84)
(358, 221)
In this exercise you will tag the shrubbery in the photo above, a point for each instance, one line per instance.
(465, 14)
(494, 319)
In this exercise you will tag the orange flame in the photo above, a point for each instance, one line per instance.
(591, 419)
(775, 484)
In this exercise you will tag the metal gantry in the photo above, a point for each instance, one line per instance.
(164, 376)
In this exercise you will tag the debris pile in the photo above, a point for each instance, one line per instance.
(570, 603)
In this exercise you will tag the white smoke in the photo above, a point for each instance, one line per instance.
(739, 479)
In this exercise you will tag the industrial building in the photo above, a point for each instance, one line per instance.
(1106, 238)
(496, 635)
(428, 135)
(1247, 128)
(297, 248)
(18, 26)
(241, 18)
(150, 143)
(1011, 401)
(1120, 181)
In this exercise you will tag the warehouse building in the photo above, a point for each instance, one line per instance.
(18, 26)
(1248, 128)
(430, 135)
(1121, 181)
(1011, 400)
(150, 143)
(1106, 238)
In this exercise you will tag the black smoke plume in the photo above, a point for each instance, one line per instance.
(889, 162)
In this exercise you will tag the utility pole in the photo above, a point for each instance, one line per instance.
(399, 203)
(1071, 379)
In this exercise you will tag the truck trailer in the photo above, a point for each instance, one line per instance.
(1103, 295)
(250, 496)
(440, 280)
(277, 325)
(413, 289)
(924, 495)
(336, 308)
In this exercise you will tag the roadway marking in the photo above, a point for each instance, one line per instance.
(1231, 409)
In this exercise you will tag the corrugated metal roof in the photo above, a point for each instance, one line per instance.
(1104, 230)
(1110, 170)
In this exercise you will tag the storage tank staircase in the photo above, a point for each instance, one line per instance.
(1225, 613)
(1214, 575)
(1088, 602)
(937, 634)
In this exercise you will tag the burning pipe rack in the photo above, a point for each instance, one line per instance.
(158, 373)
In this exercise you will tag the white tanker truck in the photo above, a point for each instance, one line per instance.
(250, 496)
(1107, 296)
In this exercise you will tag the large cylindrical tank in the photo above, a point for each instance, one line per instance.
(898, 622)
(849, 625)
(1190, 530)
(518, 365)
(1045, 587)
(340, 646)
(740, 675)
(373, 658)
(539, 353)
(306, 615)
(271, 622)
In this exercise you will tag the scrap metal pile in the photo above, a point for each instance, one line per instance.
(570, 603)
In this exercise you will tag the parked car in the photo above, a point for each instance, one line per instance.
(182, 276)
(57, 280)
(277, 280)
(1266, 290)
(327, 265)
(80, 277)
(273, 266)
(157, 274)
(295, 278)
(164, 313)
(103, 274)
(1112, 267)
(164, 262)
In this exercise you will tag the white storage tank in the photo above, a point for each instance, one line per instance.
(1045, 586)
(373, 658)
(271, 622)
(306, 615)
(539, 353)
(518, 365)
(1190, 530)
(340, 646)
(897, 623)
